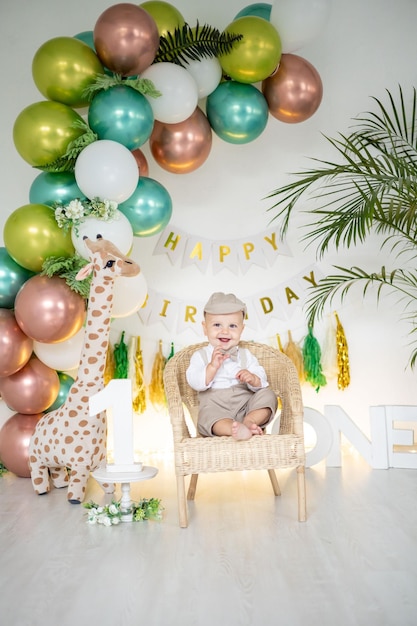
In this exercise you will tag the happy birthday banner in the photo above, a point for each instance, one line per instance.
(185, 249)
(279, 302)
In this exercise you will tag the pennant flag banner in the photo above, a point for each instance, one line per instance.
(279, 302)
(185, 249)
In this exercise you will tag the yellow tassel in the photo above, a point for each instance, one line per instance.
(110, 366)
(138, 384)
(343, 377)
(280, 348)
(294, 352)
(156, 386)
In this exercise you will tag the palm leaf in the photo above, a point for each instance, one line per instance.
(193, 44)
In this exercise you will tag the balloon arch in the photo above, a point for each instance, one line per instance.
(176, 109)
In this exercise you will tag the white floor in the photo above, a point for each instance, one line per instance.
(244, 560)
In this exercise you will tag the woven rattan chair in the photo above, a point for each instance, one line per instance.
(196, 454)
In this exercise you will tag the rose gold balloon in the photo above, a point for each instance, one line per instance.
(47, 310)
(126, 39)
(183, 147)
(15, 436)
(141, 161)
(294, 92)
(32, 389)
(15, 346)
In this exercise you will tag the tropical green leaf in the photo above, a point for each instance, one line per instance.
(193, 44)
(67, 268)
(66, 162)
(103, 82)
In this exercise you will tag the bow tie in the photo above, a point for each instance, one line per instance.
(233, 352)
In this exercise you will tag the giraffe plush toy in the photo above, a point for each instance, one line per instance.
(69, 437)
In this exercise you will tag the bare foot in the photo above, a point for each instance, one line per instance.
(241, 432)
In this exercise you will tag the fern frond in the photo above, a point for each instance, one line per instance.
(193, 44)
(67, 268)
(66, 162)
(103, 82)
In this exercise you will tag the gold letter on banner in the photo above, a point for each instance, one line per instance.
(163, 313)
(290, 295)
(272, 241)
(172, 241)
(190, 312)
(247, 249)
(223, 252)
(311, 279)
(266, 304)
(197, 251)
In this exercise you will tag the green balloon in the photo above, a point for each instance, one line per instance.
(166, 16)
(51, 187)
(256, 56)
(65, 384)
(63, 68)
(31, 235)
(43, 130)
(12, 277)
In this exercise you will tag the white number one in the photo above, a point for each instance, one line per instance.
(116, 399)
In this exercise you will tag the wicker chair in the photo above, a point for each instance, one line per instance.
(195, 454)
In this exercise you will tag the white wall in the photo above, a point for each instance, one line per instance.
(366, 48)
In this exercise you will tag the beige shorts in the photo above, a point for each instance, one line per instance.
(233, 403)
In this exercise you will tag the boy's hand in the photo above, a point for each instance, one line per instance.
(245, 376)
(218, 357)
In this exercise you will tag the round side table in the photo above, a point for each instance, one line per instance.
(125, 478)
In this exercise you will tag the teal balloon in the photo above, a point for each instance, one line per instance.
(12, 277)
(237, 112)
(121, 114)
(54, 187)
(65, 384)
(87, 36)
(259, 9)
(149, 209)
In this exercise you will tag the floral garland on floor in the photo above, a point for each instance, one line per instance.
(3, 469)
(111, 514)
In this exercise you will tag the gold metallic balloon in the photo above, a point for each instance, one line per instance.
(43, 130)
(166, 16)
(31, 235)
(126, 39)
(63, 68)
(183, 147)
(295, 91)
(256, 55)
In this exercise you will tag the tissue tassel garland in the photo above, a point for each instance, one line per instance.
(156, 387)
(136, 375)
(343, 377)
(312, 364)
(293, 352)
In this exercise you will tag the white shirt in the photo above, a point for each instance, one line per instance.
(225, 376)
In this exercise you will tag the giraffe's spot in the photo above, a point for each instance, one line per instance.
(38, 481)
(68, 439)
(78, 449)
(96, 313)
(66, 423)
(56, 460)
(93, 336)
(51, 420)
(73, 413)
(47, 448)
(55, 430)
(96, 450)
(100, 289)
(32, 459)
(92, 359)
(80, 459)
(86, 433)
(83, 423)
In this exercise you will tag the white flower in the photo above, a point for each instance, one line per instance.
(106, 521)
(115, 521)
(113, 509)
(75, 210)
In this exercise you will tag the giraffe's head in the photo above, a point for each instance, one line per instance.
(107, 260)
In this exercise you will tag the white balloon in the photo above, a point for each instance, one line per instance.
(62, 356)
(207, 74)
(179, 92)
(129, 294)
(108, 170)
(119, 231)
(299, 22)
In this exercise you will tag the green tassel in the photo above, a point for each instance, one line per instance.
(121, 359)
(172, 352)
(312, 361)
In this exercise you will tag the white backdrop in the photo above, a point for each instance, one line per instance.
(367, 47)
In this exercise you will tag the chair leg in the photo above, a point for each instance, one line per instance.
(182, 502)
(192, 487)
(301, 487)
(274, 482)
